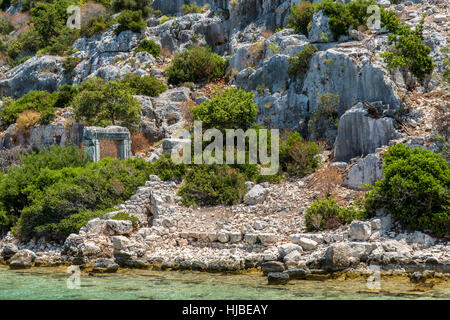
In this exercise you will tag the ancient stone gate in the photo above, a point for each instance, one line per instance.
(92, 136)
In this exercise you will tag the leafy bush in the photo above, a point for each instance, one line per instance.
(325, 117)
(409, 51)
(149, 46)
(103, 103)
(130, 20)
(192, 8)
(145, 85)
(28, 42)
(39, 101)
(298, 65)
(126, 216)
(65, 96)
(446, 73)
(299, 157)
(327, 213)
(415, 189)
(196, 64)
(165, 19)
(73, 223)
(231, 108)
(212, 185)
(301, 16)
(70, 63)
(5, 26)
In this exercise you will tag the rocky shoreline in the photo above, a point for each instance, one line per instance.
(264, 234)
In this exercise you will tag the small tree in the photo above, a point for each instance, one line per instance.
(106, 104)
(231, 108)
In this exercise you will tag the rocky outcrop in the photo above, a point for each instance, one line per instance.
(105, 55)
(38, 73)
(367, 170)
(361, 131)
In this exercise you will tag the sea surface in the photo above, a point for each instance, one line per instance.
(56, 283)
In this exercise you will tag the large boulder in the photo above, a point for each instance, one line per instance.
(360, 230)
(9, 250)
(256, 195)
(102, 54)
(22, 259)
(320, 28)
(119, 227)
(360, 132)
(38, 73)
(277, 278)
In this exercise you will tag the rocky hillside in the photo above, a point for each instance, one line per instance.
(348, 88)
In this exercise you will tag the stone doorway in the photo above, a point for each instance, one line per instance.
(111, 141)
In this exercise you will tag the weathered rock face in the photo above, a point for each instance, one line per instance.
(351, 72)
(256, 195)
(368, 170)
(192, 29)
(360, 134)
(38, 73)
(174, 7)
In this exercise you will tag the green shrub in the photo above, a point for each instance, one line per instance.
(130, 20)
(298, 65)
(196, 64)
(28, 42)
(101, 103)
(144, 6)
(408, 50)
(301, 16)
(191, 8)
(5, 26)
(40, 101)
(54, 185)
(149, 46)
(327, 213)
(414, 188)
(167, 170)
(145, 85)
(165, 19)
(299, 157)
(70, 63)
(126, 216)
(212, 185)
(231, 108)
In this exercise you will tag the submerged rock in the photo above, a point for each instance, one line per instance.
(277, 278)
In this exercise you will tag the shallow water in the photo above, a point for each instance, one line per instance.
(50, 283)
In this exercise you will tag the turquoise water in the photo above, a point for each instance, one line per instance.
(50, 283)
